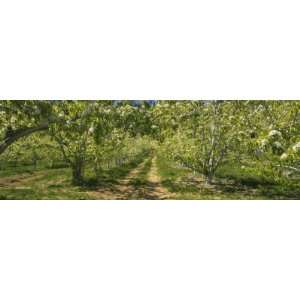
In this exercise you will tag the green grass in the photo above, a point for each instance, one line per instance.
(46, 184)
(10, 170)
(231, 182)
(19, 170)
(248, 176)
(175, 179)
(56, 183)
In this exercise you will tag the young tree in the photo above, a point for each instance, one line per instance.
(202, 133)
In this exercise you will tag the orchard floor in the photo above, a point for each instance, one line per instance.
(154, 178)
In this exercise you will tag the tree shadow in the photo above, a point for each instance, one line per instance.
(143, 191)
(232, 189)
(108, 178)
(281, 192)
(181, 186)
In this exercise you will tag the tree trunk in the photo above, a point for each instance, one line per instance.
(208, 177)
(77, 172)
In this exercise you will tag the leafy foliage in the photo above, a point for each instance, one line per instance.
(258, 137)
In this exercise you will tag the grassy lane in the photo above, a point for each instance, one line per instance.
(142, 177)
(147, 183)
(120, 188)
(137, 187)
(141, 183)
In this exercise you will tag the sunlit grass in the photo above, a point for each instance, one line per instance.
(231, 182)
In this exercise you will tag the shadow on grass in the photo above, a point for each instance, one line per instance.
(146, 191)
(180, 186)
(262, 186)
(141, 178)
(230, 183)
(141, 188)
(281, 192)
(109, 178)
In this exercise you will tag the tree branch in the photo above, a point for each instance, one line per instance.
(19, 133)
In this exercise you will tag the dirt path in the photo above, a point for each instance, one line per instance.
(120, 191)
(155, 188)
(151, 188)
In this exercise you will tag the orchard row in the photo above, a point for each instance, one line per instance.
(200, 135)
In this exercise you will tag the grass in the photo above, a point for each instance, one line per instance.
(9, 169)
(45, 184)
(20, 170)
(28, 183)
(231, 182)
(247, 176)
(177, 180)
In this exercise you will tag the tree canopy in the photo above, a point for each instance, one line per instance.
(200, 135)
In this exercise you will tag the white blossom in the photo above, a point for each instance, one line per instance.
(264, 143)
(277, 145)
(296, 147)
(275, 133)
(283, 156)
